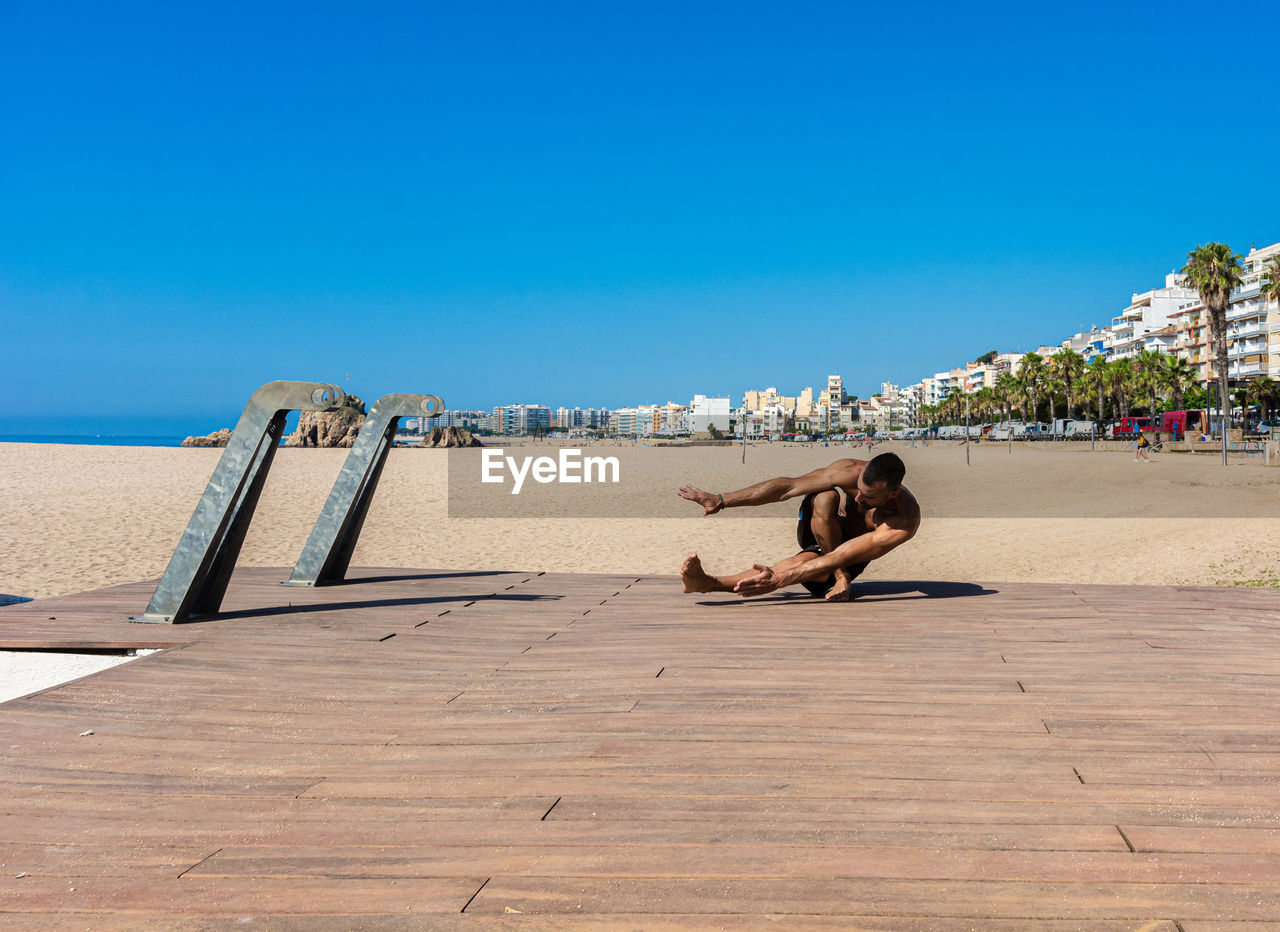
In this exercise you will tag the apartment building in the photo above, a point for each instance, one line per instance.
(671, 419)
(1253, 327)
(773, 419)
(758, 400)
(1148, 312)
(938, 388)
(521, 420)
(622, 421)
(705, 412)
(472, 420)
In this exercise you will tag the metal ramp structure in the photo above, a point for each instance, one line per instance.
(327, 555)
(195, 581)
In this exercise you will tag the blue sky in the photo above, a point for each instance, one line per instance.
(595, 204)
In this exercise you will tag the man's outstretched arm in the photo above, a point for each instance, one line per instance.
(841, 472)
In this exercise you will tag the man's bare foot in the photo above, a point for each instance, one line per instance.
(841, 591)
(693, 577)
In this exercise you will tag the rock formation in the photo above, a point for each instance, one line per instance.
(329, 428)
(450, 437)
(219, 438)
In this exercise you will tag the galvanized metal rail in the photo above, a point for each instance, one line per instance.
(196, 579)
(327, 555)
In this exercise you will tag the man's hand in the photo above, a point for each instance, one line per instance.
(764, 582)
(710, 503)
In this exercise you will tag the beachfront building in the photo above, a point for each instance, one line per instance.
(936, 388)
(1253, 328)
(1082, 342)
(1149, 312)
(1158, 341)
(889, 409)
(833, 395)
(671, 419)
(835, 388)
(1007, 362)
(1098, 344)
(706, 412)
(773, 419)
(978, 376)
(622, 421)
(750, 421)
(468, 419)
(943, 385)
(567, 418)
(521, 420)
(645, 420)
(850, 414)
(911, 398)
(757, 401)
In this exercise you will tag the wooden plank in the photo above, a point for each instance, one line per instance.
(728, 861)
(973, 901)
(233, 898)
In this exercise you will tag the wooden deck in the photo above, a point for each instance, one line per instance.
(514, 749)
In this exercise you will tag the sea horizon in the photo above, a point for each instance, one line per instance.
(98, 440)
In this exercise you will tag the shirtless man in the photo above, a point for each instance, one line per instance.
(837, 541)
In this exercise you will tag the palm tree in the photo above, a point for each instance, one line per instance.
(984, 401)
(1260, 390)
(1147, 366)
(1099, 378)
(1050, 386)
(1214, 270)
(1069, 367)
(1271, 280)
(1006, 389)
(1119, 372)
(1176, 376)
(1031, 374)
(948, 407)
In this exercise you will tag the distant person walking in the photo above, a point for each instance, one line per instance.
(1140, 448)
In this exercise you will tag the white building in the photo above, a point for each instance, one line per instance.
(705, 413)
(1253, 328)
(773, 419)
(1148, 312)
(938, 388)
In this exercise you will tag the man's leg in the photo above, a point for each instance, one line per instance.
(696, 579)
(825, 524)
(827, 528)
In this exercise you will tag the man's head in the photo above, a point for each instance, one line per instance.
(880, 481)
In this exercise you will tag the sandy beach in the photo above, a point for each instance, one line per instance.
(74, 518)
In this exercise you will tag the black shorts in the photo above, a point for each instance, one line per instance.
(805, 538)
